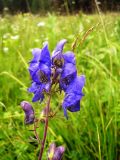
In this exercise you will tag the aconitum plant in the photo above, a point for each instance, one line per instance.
(51, 74)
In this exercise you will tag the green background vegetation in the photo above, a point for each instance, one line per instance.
(91, 134)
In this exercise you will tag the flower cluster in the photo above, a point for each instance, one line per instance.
(46, 71)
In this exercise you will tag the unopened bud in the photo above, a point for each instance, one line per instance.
(29, 112)
(59, 153)
(55, 153)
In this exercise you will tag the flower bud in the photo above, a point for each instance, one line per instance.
(51, 151)
(59, 153)
(55, 153)
(29, 112)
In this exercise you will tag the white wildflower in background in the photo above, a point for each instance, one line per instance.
(31, 49)
(37, 40)
(15, 37)
(41, 24)
(6, 35)
(81, 28)
(5, 49)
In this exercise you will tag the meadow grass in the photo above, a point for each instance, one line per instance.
(91, 134)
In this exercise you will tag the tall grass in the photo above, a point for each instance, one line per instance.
(92, 133)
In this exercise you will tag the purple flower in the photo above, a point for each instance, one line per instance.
(29, 112)
(57, 56)
(59, 153)
(55, 153)
(60, 69)
(73, 95)
(40, 65)
(65, 65)
(69, 72)
(40, 71)
(37, 89)
(69, 57)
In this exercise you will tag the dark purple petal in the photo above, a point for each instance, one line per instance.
(69, 57)
(42, 74)
(77, 85)
(68, 75)
(36, 55)
(34, 64)
(45, 56)
(40, 71)
(38, 90)
(41, 61)
(65, 111)
(47, 87)
(59, 46)
(29, 112)
(58, 60)
(41, 55)
(33, 68)
(47, 73)
(34, 87)
(73, 95)
(38, 96)
(71, 102)
(69, 70)
(75, 107)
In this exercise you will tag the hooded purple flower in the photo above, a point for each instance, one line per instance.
(57, 56)
(40, 71)
(40, 65)
(69, 72)
(73, 95)
(65, 65)
(29, 112)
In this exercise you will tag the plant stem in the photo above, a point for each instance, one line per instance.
(45, 129)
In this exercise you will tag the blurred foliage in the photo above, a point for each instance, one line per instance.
(59, 6)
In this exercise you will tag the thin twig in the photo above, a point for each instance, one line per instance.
(36, 134)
